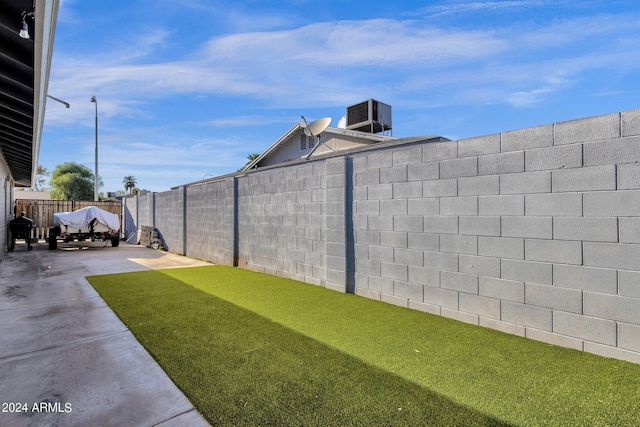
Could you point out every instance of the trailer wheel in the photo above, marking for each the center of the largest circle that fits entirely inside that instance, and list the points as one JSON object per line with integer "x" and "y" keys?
{"x": 115, "y": 241}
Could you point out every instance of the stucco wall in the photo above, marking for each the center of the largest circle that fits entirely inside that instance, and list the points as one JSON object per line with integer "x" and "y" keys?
{"x": 288, "y": 151}
{"x": 534, "y": 232}
{"x": 6, "y": 206}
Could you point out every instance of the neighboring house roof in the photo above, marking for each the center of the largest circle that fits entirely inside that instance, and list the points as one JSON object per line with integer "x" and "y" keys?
{"x": 389, "y": 143}
{"x": 24, "y": 77}
{"x": 289, "y": 146}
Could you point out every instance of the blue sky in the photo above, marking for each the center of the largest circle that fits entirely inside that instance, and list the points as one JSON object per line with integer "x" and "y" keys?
{"x": 188, "y": 88}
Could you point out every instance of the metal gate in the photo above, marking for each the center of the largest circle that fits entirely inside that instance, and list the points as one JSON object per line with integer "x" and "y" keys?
{"x": 41, "y": 211}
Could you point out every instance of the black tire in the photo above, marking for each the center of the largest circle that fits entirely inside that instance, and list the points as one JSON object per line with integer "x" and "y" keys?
{"x": 115, "y": 241}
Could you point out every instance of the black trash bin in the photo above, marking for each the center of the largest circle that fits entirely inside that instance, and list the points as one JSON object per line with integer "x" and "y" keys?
{"x": 20, "y": 228}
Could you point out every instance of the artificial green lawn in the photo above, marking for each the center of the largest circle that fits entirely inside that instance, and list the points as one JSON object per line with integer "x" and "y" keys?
{"x": 253, "y": 349}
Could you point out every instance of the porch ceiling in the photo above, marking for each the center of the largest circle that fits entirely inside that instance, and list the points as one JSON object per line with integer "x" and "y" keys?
{"x": 24, "y": 73}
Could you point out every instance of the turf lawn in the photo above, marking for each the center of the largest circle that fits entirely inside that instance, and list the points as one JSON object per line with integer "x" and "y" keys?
{"x": 252, "y": 349}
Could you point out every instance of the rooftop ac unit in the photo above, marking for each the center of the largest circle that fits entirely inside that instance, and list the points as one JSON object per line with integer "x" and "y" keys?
{"x": 369, "y": 116}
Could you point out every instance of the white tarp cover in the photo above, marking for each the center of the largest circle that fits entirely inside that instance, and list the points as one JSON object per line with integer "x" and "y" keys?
{"x": 84, "y": 216}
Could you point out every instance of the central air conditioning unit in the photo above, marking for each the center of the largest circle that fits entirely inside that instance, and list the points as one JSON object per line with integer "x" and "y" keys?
{"x": 369, "y": 116}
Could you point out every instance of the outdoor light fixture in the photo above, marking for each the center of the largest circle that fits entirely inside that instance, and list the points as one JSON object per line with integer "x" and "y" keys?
{"x": 66, "y": 104}
{"x": 24, "y": 31}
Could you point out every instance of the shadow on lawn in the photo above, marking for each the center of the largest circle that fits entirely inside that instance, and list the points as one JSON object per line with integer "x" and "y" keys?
{"x": 239, "y": 368}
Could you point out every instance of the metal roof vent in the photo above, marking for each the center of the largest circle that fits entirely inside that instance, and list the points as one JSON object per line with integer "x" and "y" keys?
{"x": 369, "y": 116}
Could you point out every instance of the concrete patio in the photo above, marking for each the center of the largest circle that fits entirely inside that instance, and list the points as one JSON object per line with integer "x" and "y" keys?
{"x": 65, "y": 358}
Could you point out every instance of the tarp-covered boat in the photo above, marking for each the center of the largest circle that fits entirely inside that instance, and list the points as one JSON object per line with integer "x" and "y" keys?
{"x": 86, "y": 223}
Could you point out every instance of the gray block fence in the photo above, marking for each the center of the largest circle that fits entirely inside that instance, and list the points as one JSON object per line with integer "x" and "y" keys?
{"x": 534, "y": 232}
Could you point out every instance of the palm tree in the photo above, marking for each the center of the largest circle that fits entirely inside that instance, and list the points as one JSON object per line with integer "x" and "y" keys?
{"x": 252, "y": 157}
{"x": 129, "y": 183}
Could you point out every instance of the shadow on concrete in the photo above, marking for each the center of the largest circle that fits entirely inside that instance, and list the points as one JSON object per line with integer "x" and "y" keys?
{"x": 65, "y": 357}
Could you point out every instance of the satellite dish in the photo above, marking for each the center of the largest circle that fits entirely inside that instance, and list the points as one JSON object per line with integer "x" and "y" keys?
{"x": 342, "y": 123}
{"x": 316, "y": 127}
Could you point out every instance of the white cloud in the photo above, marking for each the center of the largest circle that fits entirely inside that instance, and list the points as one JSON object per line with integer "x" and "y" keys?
{"x": 317, "y": 60}
{"x": 481, "y": 6}
{"x": 336, "y": 62}
{"x": 377, "y": 43}
{"x": 212, "y": 98}
{"x": 523, "y": 99}
{"x": 159, "y": 161}
{"x": 246, "y": 121}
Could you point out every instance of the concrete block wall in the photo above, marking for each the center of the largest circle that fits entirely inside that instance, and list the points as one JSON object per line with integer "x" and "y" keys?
{"x": 533, "y": 232}
{"x": 338, "y": 234}
{"x": 146, "y": 209}
{"x": 170, "y": 219}
{"x": 282, "y": 224}
{"x": 210, "y": 221}
{"x": 130, "y": 219}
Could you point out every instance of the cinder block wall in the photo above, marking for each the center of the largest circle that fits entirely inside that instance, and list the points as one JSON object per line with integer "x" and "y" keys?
{"x": 282, "y": 222}
{"x": 145, "y": 210}
{"x": 169, "y": 219}
{"x": 130, "y": 215}
{"x": 534, "y": 232}
{"x": 210, "y": 221}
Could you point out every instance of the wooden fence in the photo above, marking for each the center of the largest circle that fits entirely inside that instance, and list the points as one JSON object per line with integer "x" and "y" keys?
{"x": 41, "y": 211}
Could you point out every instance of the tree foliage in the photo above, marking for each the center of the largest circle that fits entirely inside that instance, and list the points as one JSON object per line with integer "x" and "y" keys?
{"x": 72, "y": 181}
{"x": 42, "y": 174}
{"x": 251, "y": 157}
{"x": 129, "y": 183}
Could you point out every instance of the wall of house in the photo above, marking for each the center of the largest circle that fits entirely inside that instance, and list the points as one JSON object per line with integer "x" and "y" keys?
{"x": 334, "y": 143}
{"x": 292, "y": 151}
{"x": 533, "y": 232}
{"x": 288, "y": 151}
{"x": 6, "y": 205}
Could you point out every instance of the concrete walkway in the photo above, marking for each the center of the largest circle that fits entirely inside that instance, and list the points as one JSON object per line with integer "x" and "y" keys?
{"x": 65, "y": 358}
